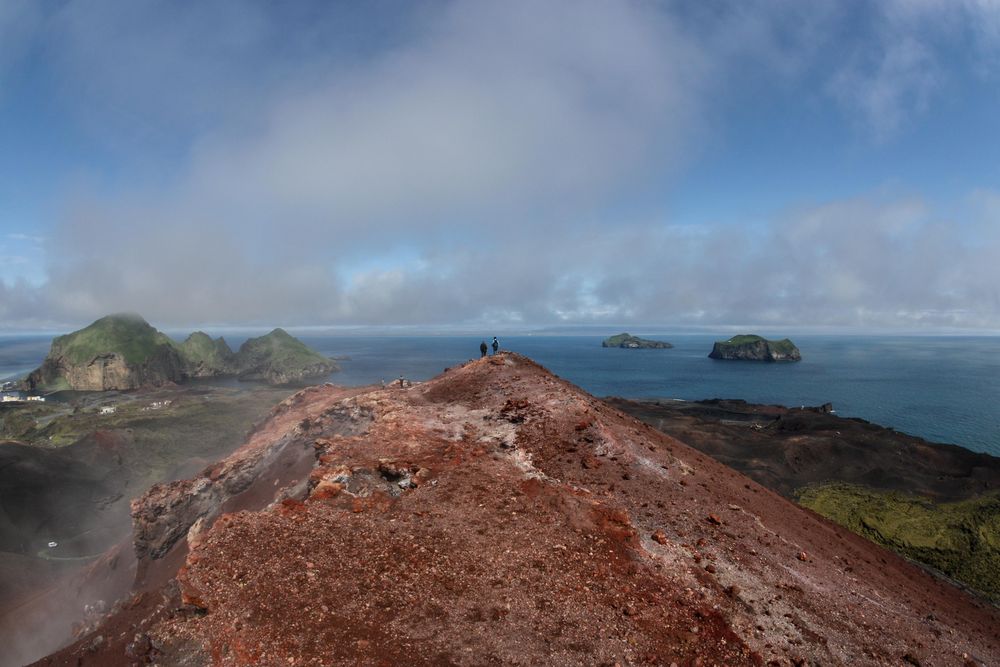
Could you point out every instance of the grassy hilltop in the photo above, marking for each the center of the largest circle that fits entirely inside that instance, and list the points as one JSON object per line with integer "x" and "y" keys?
{"x": 785, "y": 346}
{"x": 204, "y": 354}
{"x": 126, "y": 334}
{"x": 278, "y": 356}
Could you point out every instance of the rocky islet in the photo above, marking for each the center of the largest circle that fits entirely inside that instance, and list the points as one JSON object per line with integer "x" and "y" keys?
{"x": 630, "y": 342}
{"x": 750, "y": 347}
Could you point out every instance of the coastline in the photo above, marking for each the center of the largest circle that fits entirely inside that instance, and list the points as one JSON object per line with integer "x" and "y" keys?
{"x": 929, "y": 502}
{"x": 928, "y": 386}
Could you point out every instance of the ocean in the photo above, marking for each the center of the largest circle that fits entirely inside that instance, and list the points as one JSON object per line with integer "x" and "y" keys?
{"x": 942, "y": 388}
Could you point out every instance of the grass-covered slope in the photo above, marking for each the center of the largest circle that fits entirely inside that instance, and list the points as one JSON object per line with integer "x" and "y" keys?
{"x": 961, "y": 539}
{"x": 743, "y": 339}
{"x": 126, "y": 334}
{"x": 116, "y": 352}
{"x": 784, "y": 345}
{"x": 279, "y": 357}
{"x": 205, "y": 356}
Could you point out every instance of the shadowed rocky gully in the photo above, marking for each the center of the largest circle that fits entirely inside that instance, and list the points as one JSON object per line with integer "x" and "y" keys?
{"x": 499, "y": 515}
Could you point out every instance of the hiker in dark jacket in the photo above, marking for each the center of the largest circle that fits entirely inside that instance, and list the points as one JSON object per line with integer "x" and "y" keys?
{"x": 482, "y": 349}
{"x": 496, "y": 345}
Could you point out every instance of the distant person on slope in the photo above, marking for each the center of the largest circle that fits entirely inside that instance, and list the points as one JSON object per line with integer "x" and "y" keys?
{"x": 482, "y": 349}
{"x": 496, "y": 345}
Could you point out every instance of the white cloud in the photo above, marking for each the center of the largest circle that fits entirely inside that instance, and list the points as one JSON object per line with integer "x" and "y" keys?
{"x": 890, "y": 91}
{"x": 875, "y": 261}
{"x": 477, "y": 156}
{"x": 498, "y": 111}
{"x": 489, "y": 122}
{"x": 889, "y": 80}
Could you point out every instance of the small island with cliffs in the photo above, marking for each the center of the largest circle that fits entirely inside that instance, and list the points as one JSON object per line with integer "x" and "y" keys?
{"x": 630, "y": 342}
{"x": 750, "y": 347}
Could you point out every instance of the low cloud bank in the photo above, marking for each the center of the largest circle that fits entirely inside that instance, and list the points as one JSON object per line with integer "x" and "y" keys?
{"x": 874, "y": 261}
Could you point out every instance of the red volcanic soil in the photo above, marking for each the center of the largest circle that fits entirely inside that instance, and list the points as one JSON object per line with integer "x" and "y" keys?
{"x": 499, "y": 515}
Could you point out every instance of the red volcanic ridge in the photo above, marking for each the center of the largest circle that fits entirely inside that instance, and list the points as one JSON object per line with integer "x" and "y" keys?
{"x": 500, "y": 515}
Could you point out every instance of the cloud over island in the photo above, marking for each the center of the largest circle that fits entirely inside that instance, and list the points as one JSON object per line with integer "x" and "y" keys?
{"x": 462, "y": 162}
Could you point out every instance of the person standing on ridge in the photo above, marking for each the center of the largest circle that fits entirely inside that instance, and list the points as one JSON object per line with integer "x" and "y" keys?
{"x": 482, "y": 349}
{"x": 496, "y": 345}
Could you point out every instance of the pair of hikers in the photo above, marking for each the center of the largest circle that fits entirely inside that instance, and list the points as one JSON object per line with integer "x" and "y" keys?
{"x": 483, "y": 348}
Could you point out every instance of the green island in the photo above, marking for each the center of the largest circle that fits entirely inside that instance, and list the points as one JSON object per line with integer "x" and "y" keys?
{"x": 628, "y": 341}
{"x": 961, "y": 539}
{"x": 279, "y": 358}
{"x": 123, "y": 351}
{"x": 205, "y": 355}
{"x": 128, "y": 335}
{"x": 750, "y": 347}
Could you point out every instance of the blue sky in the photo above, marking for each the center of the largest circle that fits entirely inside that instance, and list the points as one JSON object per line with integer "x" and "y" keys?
{"x": 767, "y": 164}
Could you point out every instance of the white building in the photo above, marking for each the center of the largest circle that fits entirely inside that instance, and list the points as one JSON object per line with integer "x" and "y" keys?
{"x": 108, "y": 409}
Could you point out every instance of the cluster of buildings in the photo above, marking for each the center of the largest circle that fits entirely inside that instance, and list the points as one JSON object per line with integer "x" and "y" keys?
{"x": 20, "y": 397}
{"x": 14, "y": 397}
{"x": 155, "y": 405}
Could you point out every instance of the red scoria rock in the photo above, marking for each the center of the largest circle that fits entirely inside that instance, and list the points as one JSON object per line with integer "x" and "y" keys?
{"x": 519, "y": 544}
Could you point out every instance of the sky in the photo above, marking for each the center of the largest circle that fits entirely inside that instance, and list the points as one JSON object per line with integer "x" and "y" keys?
{"x": 771, "y": 164}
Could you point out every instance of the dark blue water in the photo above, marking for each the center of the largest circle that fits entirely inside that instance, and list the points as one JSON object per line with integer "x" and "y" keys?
{"x": 945, "y": 389}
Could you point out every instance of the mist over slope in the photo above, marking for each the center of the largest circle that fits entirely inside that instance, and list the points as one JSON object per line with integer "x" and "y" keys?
{"x": 65, "y": 486}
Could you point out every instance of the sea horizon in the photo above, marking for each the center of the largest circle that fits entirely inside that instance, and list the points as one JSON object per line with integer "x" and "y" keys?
{"x": 917, "y": 384}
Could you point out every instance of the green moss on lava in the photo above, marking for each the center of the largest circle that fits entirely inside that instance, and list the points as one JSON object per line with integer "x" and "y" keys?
{"x": 960, "y": 539}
